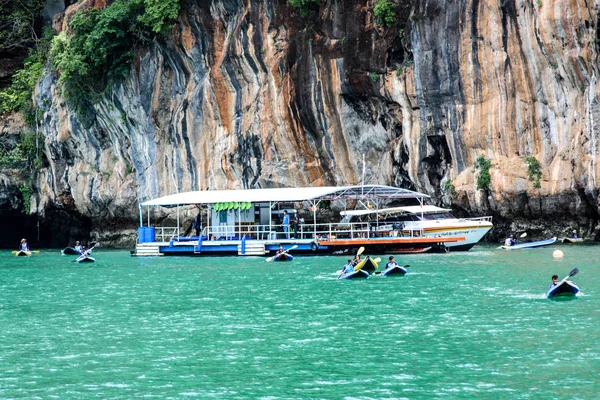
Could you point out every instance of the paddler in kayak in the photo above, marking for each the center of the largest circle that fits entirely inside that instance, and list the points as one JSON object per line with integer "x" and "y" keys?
{"x": 24, "y": 246}
{"x": 554, "y": 281}
{"x": 278, "y": 252}
{"x": 348, "y": 267}
{"x": 356, "y": 260}
{"x": 392, "y": 263}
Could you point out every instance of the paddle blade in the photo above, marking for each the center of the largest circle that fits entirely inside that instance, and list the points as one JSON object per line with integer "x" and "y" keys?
{"x": 270, "y": 259}
{"x": 523, "y": 234}
{"x": 574, "y": 272}
{"x": 378, "y": 259}
{"x": 360, "y": 251}
{"x": 14, "y": 251}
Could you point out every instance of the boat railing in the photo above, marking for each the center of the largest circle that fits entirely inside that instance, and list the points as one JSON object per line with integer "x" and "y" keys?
{"x": 308, "y": 231}
{"x": 475, "y": 219}
{"x": 165, "y": 233}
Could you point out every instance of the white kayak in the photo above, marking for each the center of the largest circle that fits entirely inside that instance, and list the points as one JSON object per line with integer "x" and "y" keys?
{"x": 530, "y": 244}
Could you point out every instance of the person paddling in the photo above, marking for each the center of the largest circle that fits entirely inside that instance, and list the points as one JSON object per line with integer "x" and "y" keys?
{"x": 24, "y": 246}
{"x": 279, "y": 251}
{"x": 349, "y": 267}
{"x": 554, "y": 281}
{"x": 78, "y": 247}
{"x": 392, "y": 263}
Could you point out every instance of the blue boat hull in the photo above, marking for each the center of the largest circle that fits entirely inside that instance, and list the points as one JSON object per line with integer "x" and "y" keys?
{"x": 397, "y": 270}
{"x": 70, "y": 252}
{"x": 283, "y": 257}
{"x": 565, "y": 289}
{"x": 360, "y": 274}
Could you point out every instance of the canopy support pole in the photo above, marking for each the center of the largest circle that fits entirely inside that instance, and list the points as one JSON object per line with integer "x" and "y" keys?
{"x": 141, "y": 216}
{"x": 177, "y": 221}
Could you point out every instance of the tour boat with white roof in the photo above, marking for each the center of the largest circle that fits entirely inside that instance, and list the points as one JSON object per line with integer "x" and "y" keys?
{"x": 253, "y": 222}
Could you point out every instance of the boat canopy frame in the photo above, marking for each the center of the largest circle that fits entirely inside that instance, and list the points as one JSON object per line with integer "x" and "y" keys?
{"x": 313, "y": 195}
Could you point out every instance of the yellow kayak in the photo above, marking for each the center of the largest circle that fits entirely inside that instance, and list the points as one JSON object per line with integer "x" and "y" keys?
{"x": 367, "y": 264}
{"x": 23, "y": 253}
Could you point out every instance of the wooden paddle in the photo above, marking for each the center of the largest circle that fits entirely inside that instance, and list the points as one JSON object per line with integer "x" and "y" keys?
{"x": 283, "y": 252}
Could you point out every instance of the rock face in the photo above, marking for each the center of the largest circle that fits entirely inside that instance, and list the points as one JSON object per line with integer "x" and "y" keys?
{"x": 247, "y": 94}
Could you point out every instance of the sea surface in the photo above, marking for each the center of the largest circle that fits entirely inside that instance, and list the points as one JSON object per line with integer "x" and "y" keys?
{"x": 460, "y": 325}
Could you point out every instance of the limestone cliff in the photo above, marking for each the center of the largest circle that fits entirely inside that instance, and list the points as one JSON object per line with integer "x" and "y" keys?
{"x": 250, "y": 94}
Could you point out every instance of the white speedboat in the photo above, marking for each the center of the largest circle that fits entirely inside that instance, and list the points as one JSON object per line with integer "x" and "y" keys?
{"x": 428, "y": 221}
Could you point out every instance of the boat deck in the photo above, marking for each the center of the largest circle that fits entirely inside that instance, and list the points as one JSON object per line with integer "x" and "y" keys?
{"x": 252, "y": 247}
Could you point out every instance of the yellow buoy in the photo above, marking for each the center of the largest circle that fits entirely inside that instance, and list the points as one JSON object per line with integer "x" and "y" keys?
{"x": 557, "y": 254}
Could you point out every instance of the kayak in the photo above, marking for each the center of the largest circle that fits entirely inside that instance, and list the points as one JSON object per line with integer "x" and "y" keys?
{"x": 69, "y": 251}
{"x": 530, "y": 244}
{"x": 283, "y": 257}
{"x": 396, "y": 270}
{"x": 23, "y": 253}
{"x": 83, "y": 259}
{"x": 563, "y": 289}
{"x": 366, "y": 264}
{"x": 355, "y": 275}
{"x": 572, "y": 240}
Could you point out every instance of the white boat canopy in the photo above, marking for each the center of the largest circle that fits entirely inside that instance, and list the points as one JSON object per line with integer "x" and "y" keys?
{"x": 425, "y": 209}
{"x": 366, "y": 192}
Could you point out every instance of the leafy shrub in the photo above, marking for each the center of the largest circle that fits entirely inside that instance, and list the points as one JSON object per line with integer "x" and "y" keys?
{"x": 374, "y": 76}
{"x": 26, "y": 193}
{"x": 99, "y": 51}
{"x": 384, "y": 13}
{"x": 27, "y": 155}
{"x": 303, "y": 6}
{"x": 19, "y": 95}
{"x": 449, "y": 188}
{"x": 483, "y": 177}
{"x": 534, "y": 171}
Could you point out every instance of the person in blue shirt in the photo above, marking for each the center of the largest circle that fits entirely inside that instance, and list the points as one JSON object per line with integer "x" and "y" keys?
{"x": 348, "y": 267}
{"x": 286, "y": 224}
{"x": 78, "y": 247}
{"x": 554, "y": 281}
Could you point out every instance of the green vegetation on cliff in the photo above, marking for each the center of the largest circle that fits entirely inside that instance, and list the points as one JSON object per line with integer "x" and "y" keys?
{"x": 98, "y": 50}
{"x": 27, "y": 155}
{"x": 20, "y": 23}
{"x": 534, "y": 171}
{"x": 304, "y": 6}
{"x": 483, "y": 176}
{"x": 384, "y": 12}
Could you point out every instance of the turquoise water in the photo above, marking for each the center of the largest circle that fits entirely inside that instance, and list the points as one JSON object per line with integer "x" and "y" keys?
{"x": 458, "y": 325}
